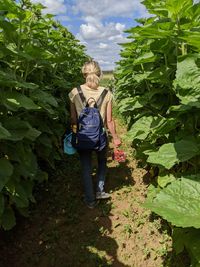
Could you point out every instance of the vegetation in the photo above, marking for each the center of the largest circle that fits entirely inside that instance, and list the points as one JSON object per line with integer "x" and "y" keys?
{"x": 158, "y": 89}
{"x": 40, "y": 62}
{"x": 107, "y": 79}
{"x": 158, "y": 92}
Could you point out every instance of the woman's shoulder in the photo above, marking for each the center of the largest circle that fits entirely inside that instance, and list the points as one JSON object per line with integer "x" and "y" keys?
{"x": 109, "y": 94}
{"x": 102, "y": 88}
{"x": 73, "y": 91}
{"x": 72, "y": 94}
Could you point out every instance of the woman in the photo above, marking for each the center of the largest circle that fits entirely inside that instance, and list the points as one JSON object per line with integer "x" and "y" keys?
{"x": 91, "y": 90}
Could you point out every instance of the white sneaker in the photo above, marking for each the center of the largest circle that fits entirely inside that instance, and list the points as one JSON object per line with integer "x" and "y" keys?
{"x": 102, "y": 195}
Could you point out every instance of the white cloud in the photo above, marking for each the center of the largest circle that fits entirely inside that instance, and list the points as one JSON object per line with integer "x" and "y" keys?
{"x": 118, "y": 38}
{"x": 120, "y": 27}
{"x": 103, "y": 45}
{"x": 104, "y": 62}
{"x": 53, "y": 6}
{"x": 107, "y": 8}
{"x": 97, "y": 30}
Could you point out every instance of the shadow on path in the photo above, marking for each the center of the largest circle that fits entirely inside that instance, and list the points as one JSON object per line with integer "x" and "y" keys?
{"x": 61, "y": 231}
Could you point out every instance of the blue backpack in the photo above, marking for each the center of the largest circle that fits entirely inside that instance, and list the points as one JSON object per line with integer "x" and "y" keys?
{"x": 91, "y": 133}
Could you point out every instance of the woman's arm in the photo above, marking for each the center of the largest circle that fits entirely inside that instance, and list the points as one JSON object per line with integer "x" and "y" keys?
{"x": 111, "y": 125}
{"x": 73, "y": 114}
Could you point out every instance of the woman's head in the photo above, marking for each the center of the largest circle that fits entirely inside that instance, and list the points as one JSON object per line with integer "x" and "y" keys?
{"x": 92, "y": 73}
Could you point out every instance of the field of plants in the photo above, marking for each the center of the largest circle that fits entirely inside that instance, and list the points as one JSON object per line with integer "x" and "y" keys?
{"x": 158, "y": 91}
{"x": 40, "y": 61}
{"x": 157, "y": 87}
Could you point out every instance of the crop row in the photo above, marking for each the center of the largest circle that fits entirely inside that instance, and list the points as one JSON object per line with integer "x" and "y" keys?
{"x": 40, "y": 61}
{"x": 158, "y": 91}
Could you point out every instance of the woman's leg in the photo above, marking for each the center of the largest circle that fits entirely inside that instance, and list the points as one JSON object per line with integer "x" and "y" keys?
{"x": 101, "y": 175}
{"x": 86, "y": 164}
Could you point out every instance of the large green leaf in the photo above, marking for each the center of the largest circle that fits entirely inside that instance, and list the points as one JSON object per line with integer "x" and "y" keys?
{"x": 17, "y": 100}
{"x": 21, "y": 193}
{"x": 170, "y": 154}
{"x": 141, "y": 128}
{"x": 145, "y": 58}
{"x": 129, "y": 104}
{"x": 179, "y": 202}
{"x": 28, "y": 166}
{"x": 187, "y": 81}
{"x": 41, "y": 96}
{"x": 20, "y": 129}
{"x": 6, "y": 170}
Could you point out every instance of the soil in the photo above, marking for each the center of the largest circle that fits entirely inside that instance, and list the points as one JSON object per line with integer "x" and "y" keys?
{"x": 62, "y": 232}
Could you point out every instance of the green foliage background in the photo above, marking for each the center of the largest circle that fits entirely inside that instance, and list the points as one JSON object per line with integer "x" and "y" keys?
{"x": 158, "y": 91}
{"x": 40, "y": 61}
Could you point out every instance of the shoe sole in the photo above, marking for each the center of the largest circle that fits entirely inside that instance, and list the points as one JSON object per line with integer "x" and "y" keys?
{"x": 103, "y": 197}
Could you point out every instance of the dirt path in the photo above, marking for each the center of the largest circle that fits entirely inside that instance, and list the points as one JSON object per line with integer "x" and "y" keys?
{"x": 62, "y": 232}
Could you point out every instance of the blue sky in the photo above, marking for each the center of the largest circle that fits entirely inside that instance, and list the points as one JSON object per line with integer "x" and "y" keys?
{"x": 98, "y": 24}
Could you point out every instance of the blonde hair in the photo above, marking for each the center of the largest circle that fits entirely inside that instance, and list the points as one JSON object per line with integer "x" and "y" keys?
{"x": 92, "y": 73}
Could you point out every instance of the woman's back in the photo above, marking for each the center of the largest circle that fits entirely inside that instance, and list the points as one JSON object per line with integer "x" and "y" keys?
{"x": 90, "y": 93}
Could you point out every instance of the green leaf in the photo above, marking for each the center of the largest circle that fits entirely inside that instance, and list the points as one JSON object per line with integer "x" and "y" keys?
{"x": 20, "y": 196}
{"x": 170, "y": 154}
{"x": 129, "y": 104}
{"x": 179, "y": 202}
{"x": 41, "y": 96}
{"x": 28, "y": 163}
{"x": 8, "y": 220}
{"x": 4, "y": 134}
{"x": 187, "y": 83}
{"x": 145, "y": 58}
{"x": 20, "y": 129}
{"x": 140, "y": 129}
{"x": 165, "y": 180}
{"x": 32, "y": 134}
{"x": 17, "y": 100}
{"x": 17, "y": 128}
{"x": 6, "y": 170}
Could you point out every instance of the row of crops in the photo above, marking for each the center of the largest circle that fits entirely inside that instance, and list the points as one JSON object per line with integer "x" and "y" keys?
{"x": 40, "y": 61}
{"x": 158, "y": 91}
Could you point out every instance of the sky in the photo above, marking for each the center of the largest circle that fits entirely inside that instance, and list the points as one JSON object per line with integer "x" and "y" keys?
{"x": 98, "y": 24}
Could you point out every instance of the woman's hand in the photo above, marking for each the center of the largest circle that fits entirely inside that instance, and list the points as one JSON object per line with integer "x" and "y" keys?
{"x": 116, "y": 141}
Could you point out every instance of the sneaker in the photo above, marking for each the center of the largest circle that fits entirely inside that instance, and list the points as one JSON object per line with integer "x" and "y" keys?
{"x": 91, "y": 205}
{"x": 102, "y": 195}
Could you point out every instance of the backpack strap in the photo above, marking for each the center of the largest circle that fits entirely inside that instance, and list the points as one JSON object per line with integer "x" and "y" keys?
{"x": 101, "y": 98}
{"x": 82, "y": 97}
